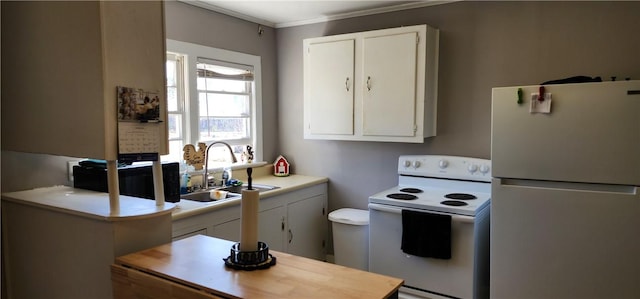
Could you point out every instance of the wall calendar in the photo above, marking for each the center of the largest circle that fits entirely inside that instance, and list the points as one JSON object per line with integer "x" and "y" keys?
{"x": 138, "y": 124}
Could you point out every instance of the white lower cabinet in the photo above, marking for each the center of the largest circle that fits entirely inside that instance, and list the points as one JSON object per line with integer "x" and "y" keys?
{"x": 298, "y": 226}
{"x": 206, "y": 224}
{"x": 294, "y": 222}
{"x": 272, "y": 225}
{"x": 202, "y": 231}
{"x": 307, "y": 227}
{"x": 229, "y": 230}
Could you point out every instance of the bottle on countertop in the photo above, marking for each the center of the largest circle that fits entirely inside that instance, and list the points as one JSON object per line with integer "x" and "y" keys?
{"x": 185, "y": 183}
{"x": 226, "y": 176}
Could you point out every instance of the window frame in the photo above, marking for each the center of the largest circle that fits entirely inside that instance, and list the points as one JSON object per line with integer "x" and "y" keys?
{"x": 191, "y": 53}
{"x": 181, "y": 109}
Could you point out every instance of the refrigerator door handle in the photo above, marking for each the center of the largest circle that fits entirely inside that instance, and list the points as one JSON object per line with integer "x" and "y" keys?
{"x": 606, "y": 188}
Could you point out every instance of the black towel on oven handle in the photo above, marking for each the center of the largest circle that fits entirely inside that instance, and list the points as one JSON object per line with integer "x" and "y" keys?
{"x": 426, "y": 234}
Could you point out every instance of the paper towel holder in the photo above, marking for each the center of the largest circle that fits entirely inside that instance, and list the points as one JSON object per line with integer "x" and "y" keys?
{"x": 250, "y": 260}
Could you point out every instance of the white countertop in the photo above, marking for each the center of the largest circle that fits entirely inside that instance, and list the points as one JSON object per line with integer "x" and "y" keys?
{"x": 186, "y": 208}
{"x": 95, "y": 205}
{"x": 88, "y": 203}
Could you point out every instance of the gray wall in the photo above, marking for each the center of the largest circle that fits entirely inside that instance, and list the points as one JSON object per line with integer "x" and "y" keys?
{"x": 196, "y": 25}
{"x": 186, "y": 23}
{"x": 482, "y": 45}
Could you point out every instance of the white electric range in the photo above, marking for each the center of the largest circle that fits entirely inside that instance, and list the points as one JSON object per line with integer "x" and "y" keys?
{"x": 432, "y": 229}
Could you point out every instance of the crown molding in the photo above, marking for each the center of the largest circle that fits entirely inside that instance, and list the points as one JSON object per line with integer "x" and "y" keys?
{"x": 360, "y": 13}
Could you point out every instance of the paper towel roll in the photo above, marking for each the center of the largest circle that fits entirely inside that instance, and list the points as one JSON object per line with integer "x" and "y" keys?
{"x": 249, "y": 220}
{"x": 158, "y": 183}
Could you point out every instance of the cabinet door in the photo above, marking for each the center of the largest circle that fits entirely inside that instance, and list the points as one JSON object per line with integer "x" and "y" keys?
{"x": 193, "y": 233}
{"x": 328, "y": 77}
{"x": 389, "y": 85}
{"x": 229, "y": 230}
{"x": 307, "y": 227}
{"x": 271, "y": 228}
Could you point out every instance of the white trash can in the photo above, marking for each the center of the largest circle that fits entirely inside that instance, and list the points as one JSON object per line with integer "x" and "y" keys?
{"x": 351, "y": 237}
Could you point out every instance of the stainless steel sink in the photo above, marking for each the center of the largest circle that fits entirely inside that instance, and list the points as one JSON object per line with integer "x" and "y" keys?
{"x": 203, "y": 196}
{"x": 259, "y": 187}
{"x": 233, "y": 192}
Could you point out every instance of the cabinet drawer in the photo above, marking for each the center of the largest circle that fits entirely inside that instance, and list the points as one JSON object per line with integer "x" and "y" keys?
{"x": 131, "y": 283}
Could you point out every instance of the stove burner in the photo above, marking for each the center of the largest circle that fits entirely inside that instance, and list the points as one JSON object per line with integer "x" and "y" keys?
{"x": 411, "y": 190}
{"x": 454, "y": 203}
{"x": 460, "y": 196}
{"x": 402, "y": 196}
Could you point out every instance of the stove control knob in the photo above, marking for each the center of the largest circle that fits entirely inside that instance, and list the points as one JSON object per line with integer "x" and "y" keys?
{"x": 484, "y": 169}
{"x": 472, "y": 168}
{"x": 443, "y": 164}
{"x": 416, "y": 164}
{"x": 407, "y": 163}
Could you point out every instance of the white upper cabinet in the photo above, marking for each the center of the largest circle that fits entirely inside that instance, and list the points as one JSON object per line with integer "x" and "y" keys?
{"x": 372, "y": 86}
{"x": 330, "y": 96}
{"x": 389, "y": 65}
{"x": 62, "y": 68}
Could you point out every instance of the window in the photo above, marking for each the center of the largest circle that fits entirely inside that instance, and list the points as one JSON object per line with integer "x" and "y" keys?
{"x": 175, "y": 106}
{"x": 213, "y": 95}
{"x": 224, "y": 100}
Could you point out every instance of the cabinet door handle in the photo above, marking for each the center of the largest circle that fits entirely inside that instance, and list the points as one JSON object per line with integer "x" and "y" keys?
{"x": 290, "y": 236}
{"x": 282, "y": 224}
{"x": 369, "y": 83}
{"x": 346, "y": 83}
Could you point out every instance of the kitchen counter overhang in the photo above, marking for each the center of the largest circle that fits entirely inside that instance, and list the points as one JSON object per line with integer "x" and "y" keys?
{"x": 194, "y": 267}
{"x": 88, "y": 204}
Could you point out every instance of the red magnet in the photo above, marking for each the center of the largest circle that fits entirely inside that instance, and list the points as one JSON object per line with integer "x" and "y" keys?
{"x": 541, "y": 94}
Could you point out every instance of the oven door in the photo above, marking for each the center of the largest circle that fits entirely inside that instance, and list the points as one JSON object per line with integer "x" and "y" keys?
{"x": 465, "y": 275}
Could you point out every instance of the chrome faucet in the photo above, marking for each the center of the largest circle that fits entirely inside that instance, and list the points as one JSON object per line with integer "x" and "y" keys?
{"x": 205, "y": 175}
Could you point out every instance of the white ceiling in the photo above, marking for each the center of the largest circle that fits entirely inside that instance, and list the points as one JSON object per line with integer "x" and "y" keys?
{"x": 289, "y": 13}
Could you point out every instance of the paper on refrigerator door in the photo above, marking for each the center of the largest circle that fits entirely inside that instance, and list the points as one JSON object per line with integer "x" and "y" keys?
{"x": 538, "y": 106}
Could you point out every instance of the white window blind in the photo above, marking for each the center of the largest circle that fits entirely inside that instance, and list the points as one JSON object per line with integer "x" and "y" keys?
{"x": 215, "y": 69}
{"x": 224, "y": 100}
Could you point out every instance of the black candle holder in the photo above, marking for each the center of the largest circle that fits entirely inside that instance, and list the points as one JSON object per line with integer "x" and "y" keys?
{"x": 250, "y": 260}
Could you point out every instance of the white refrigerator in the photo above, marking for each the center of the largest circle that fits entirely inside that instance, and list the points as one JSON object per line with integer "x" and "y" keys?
{"x": 565, "y": 202}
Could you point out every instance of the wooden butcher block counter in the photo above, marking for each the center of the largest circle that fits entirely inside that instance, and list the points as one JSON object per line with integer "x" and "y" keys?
{"x": 194, "y": 268}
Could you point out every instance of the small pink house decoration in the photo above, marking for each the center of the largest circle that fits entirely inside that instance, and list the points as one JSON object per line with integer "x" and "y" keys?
{"x": 281, "y": 166}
